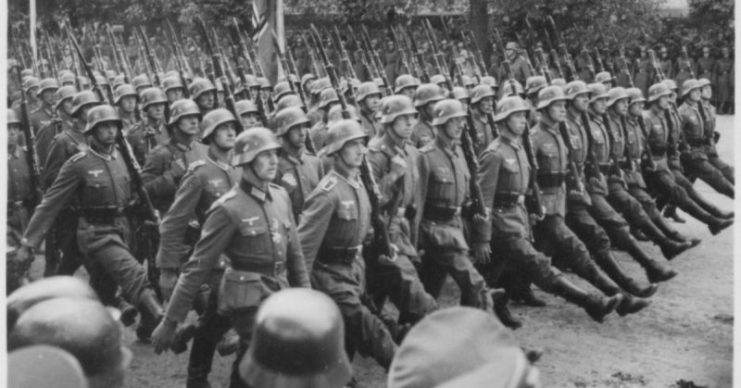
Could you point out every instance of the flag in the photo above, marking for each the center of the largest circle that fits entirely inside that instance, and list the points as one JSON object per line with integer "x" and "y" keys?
{"x": 269, "y": 28}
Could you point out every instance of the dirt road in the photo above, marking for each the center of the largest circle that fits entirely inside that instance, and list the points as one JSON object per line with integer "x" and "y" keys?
{"x": 686, "y": 334}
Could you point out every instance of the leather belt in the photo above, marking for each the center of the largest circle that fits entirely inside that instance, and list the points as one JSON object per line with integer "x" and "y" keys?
{"x": 698, "y": 142}
{"x": 441, "y": 213}
{"x": 549, "y": 179}
{"x": 338, "y": 255}
{"x": 502, "y": 200}
{"x": 102, "y": 215}
{"x": 273, "y": 268}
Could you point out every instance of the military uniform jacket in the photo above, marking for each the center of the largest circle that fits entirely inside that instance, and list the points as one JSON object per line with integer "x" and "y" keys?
{"x": 484, "y": 132}
{"x": 205, "y": 182}
{"x": 255, "y": 230}
{"x": 19, "y": 191}
{"x": 552, "y": 156}
{"x": 144, "y": 137}
{"x": 64, "y": 146}
{"x": 677, "y": 138}
{"x": 96, "y": 182}
{"x": 371, "y": 127}
{"x": 128, "y": 121}
{"x": 46, "y": 136}
{"x": 398, "y": 194}
{"x": 336, "y": 216}
{"x": 634, "y": 146}
{"x": 158, "y": 181}
{"x": 41, "y": 117}
{"x": 580, "y": 146}
{"x": 444, "y": 184}
{"x": 600, "y": 148}
{"x": 504, "y": 172}
{"x": 423, "y": 133}
{"x": 299, "y": 175}
{"x": 658, "y": 138}
{"x": 693, "y": 128}
{"x": 709, "y": 125}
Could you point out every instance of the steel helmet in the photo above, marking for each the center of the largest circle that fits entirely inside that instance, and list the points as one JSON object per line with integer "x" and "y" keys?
{"x": 616, "y": 94}
{"x": 172, "y": 73}
{"x": 13, "y": 117}
{"x": 405, "y": 81}
{"x": 170, "y": 83}
{"x": 200, "y": 86}
{"x": 342, "y": 132}
{"x": 395, "y": 106}
{"x": 181, "y": 108}
{"x": 509, "y": 105}
{"x": 690, "y": 85}
{"x": 437, "y": 79}
{"x": 84, "y": 98}
{"x": 597, "y": 90}
{"x": 100, "y": 79}
{"x": 29, "y": 83}
{"x": 281, "y": 89}
{"x": 603, "y": 76}
{"x": 670, "y": 84}
{"x": 212, "y": 120}
{"x": 506, "y": 87}
{"x": 379, "y": 82}
{"x": 327, "y": 97}
{"x": 110, "y": 74}
{"x": 289, "y": 117}
{"x": 44, "y": 366}
{"x": 550, "y": 94}
{"x": 298, "y": 342}
{"x": 704, "y": 82}
{"x": 151, "y": 96}
{"x": 535, "y": 83}
{"x": 657, "y": 91}
{"x": 84, "y": 82}
{"x": 252, "y": 142}
{"x": 305, "y": 79}
{"x": 460, "y": 93}
{"x": 47, "y": 288}
{"x": 141, "y": 81}
{"x": 64, "y": 93}
{"x": 46, "y": 84}
{"x": 446, "y": 110}
{"x": 367, "y": 89}
{"x": 82, "y": 327}
{"x": 26, "y": 73}
{"x": 489, "y": 80}
{"x": 67, "y": 78}
{"x": 427, "y": 93}
{"x": 480, "y": 92}
{"x": 575, "y": 88}
{"x": 635, "y": 95}
{"x": 336, "y": 113}
{"x": 102, "y": 114}
{"x": 467, "y": 81}
{"x": 320, "y": 84}
{"x": 288, "y": 101}
{"x": 125, "y": 90}
{"x": 558, "y": 82}
{"x": 117, "y": 81}
{"x": 243, "y": 107}
{"x": 251, "y": 81}
{"x": 264, "y": 83}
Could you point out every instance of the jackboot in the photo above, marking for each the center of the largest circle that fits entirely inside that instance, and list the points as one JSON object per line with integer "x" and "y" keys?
{"x": 596, "y": 306}
{"x": 718, "y": 227}
{"x": 715, "y": 224}
{"x": 709, "y": 206}
{"x": 671, "y": 212}
{"x": 151, "y": 312}
{"x": 523, "y": 293}
{"x": 613, "y": 269}
{"x": 656, "y": 271}
{"x": 128, "y": 312}
{"x": 669, "y": 247}
{"x": 505, "y": 316}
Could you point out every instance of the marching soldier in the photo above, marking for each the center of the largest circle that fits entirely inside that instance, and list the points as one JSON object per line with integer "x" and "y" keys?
{"x": 407, "y": 85}
{"x": 369, "y": 98}
{"x": 298, "y": 171}
{"x": 519, "y": 67}
{"x": 126, "y": 101}
{"x": 425, "y": 98}
{"x": 394, "y": 163}
{"x": 482, "y": 105}
{"x": 203, "y": 92}
{"x": 318, "y": 132}
{"x": 248, "y": 114}
{"x": 152, "y": 131}
{"x": 174, "y": 88}
{"x": 710, "y": 134}
{"x": 205, "y": 181}
{"x": 62, "y": 121}
{"x": 167, "y": 163}
{"x": 253, "y": 226}
{"x": 503, "y": 177}
{"x": 99, "y": 183}
{"x": 45, "y": 113}
{"x": 334, "y": 225}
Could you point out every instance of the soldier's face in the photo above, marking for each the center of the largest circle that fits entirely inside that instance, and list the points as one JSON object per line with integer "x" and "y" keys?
{"x": 557, "y": 111}
{"x": 409, "y": 92}
{"x": 664, "y": 102}
{"x": 707, "y": 92}
{"x": 486, "y": 105}
{"x": 48, "y": 97}
{"x": 454, "y": 127}
{"x": 371, "y": 103}
{"x": 67, "y": 106}
{"x": 174, "y": 94}
{"x": 600, "y": 105}
{"x": 156, "y": 111}
{"x": 188, "y": 125}
{"x": 82, "y": 112}
{"x": 516, "y": 123}
{"x": 224, "y": 137}
{"x": 250, "y": 120}
{"x": 128, "y": 104}
{"x": 296, "y": 136}
{"x": 621, "y": 106}
{"x": 636, "y": 109}
{"x": 265, "y": 165}
{"x": 404, "y": 125}
{"x": 14, "y": 133}
{"x": 581, "y": 102}
{"x": 206, "y": 100}
{"x": 105, "y": 133}
{"x": 352, "y": 153}
{"x": 695, "y": 94}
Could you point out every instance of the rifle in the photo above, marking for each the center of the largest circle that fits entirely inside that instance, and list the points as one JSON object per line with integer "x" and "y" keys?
{"x": 615, "y": 162}
{"x": 118, "y": 45}
{"x": 88, "y": 71}
{"x": 343, "y": 53}
{"x": 624, "y": 66}
{"x": 424, "y": 75}
{"x": 403, "y": 55}
{"x": 32, "y": 158}
{"x": 480, "y": 66}
{"x": 438, "y": 57}
{"x": 382, "y": 241}
{"x": 180, "y": 61}
{"x": 246, "y": 55}
{"x": 312, "y": 56}
{"x": 470, "y": 154}
{"x": 150, "y": 57}
{"x": 376, "y": 60}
